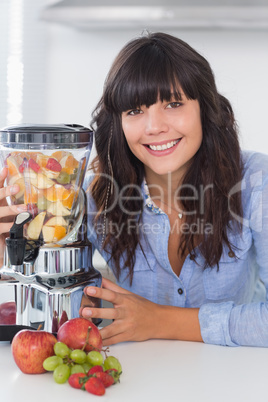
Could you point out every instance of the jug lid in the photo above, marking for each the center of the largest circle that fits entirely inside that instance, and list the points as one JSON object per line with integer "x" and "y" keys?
{"x": 46, "y": 134}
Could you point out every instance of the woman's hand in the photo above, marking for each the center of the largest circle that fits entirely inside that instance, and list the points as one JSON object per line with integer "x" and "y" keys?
{"x": 138, "y": 319}
{"x": 135, "y": 318}
{"x": 7, "y": 212}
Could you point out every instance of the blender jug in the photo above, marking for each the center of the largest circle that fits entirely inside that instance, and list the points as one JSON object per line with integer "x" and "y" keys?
{"x": 48, "y": 260}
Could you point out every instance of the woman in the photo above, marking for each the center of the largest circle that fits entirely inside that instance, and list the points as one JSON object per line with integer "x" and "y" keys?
{"x": 175, "y": 207}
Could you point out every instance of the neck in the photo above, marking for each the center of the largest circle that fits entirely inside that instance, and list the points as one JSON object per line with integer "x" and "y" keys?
{"x": 164, "y": 189}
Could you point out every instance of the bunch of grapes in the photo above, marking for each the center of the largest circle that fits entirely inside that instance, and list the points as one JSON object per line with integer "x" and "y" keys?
{"x": 88, "y": 371}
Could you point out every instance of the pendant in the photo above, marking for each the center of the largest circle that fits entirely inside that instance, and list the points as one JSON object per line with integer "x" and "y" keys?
{"x": 180, "y": 215}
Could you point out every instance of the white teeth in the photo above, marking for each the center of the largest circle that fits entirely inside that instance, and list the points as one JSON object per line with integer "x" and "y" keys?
{"x": 164, "y": 146}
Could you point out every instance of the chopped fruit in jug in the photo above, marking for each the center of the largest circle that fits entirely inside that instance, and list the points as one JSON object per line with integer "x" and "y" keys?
{"x": 69, "y": 164}
{"x": 33, "y": 165}
{"x": 13, "y": 166}
{"x": 53, "y": 233}
{"x": 64, "y": 178}
{"x": 35, "y": 226}
{"x": 47, "y": 186}
{"x": 53, "y": 164}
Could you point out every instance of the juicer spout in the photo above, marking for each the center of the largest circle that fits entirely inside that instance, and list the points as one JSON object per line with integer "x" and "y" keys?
{"x": 16, "y": 243}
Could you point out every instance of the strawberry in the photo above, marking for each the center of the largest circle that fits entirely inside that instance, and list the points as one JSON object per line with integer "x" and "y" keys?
{"x": 53, "y": 164}
{"x": 95, "y": 386}
{"x": 95, "y": 369}
{"x": 113, "y": 373}
{"x": 77, "y": 380}
{"x": 105, "y": 378}
{"x": 22, "y": 165}
{"x": 33, "y": 165}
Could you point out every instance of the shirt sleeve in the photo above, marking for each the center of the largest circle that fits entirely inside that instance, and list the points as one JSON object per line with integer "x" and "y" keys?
{"x": 246, "y": 324}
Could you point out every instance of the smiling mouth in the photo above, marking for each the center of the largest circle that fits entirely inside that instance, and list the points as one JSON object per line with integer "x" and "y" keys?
{"x": 164, "y": 147}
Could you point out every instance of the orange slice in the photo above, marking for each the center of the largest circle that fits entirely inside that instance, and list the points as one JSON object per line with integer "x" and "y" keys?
{"x": 42, "y": 159}
{"x": 13, "y": 166}
{"x": 53, "y": 233}
{"x": 69, "y": 164}
{"x": 59, "y": 155}
{"x": 57, "y": 193}
{"x": 68, "y": 202}
{"x": 60, "y": 232}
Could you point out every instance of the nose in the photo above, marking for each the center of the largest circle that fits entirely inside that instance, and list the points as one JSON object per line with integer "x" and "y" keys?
{"x": 155, "y": 120}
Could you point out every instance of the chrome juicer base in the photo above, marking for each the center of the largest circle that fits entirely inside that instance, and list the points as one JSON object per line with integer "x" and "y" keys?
{"x": 49, "y": 296}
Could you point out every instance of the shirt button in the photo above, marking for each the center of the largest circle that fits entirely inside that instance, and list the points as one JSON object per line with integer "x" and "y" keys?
{"x": 180, "y": 291}
{"x": 231, "y": 254}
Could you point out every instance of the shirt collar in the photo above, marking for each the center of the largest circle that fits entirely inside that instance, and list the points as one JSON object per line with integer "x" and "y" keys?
{"x": 148, "y": 200}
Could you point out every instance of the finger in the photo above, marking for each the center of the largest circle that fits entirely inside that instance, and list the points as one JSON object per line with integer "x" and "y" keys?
{"x": 12, "y": 210}
{"x": 113, "y": 340}
{"x": 104, "y": 294}
{"x": 5, "y": 227}
{"x": 3, "y": 175}
{"x": 107, "y": 284}
{"x": 9, "y": 190}
{"x": 109, "y": 337}
{"x": 103, "y": 313}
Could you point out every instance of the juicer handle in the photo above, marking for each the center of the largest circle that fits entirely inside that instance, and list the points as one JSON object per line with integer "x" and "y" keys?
{"x": 16, "y": 243}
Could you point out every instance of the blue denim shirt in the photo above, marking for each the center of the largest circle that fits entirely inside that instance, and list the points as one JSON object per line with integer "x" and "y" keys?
{"x": 232, "y": 300}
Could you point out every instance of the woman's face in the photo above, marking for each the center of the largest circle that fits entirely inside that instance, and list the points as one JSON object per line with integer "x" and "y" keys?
{"x": 164, "y": 136}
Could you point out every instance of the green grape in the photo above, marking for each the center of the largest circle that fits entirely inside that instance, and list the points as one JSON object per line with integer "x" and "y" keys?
{"x": 61, "y": 350}
{"x": 112, "y": 362}
{"x": 50, "y": 363}
{"x": 78, "y": 368}
{"x": 61, "y": 373}
{"x": 42, "y": 203}
{"x": 95, "y": 358}
{"x": 78, "y": 356}
{"x": 87, "y": 367}
{"x": 63, "y": 178}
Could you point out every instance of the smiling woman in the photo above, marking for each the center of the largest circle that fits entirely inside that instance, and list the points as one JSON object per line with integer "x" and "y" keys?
{"x": 171, "y": 178}
{"x": 161, "y": 90}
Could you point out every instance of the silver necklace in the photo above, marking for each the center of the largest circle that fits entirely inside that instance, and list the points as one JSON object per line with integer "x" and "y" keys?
{"x": 180, "y": 214}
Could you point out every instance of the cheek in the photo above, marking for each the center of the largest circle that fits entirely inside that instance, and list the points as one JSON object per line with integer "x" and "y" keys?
{"x": 131, "y": 134}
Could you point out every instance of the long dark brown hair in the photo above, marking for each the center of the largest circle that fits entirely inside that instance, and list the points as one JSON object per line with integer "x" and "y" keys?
{"x": 148, "y": 68}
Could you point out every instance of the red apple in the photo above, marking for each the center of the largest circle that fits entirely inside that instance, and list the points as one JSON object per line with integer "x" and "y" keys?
{"x": 30, "y": 348}
{"x": 8, "y": 313}
{"x": 75, "y": 333}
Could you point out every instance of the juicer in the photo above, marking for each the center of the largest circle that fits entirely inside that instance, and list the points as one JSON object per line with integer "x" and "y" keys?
{"x": 47, "y": 258}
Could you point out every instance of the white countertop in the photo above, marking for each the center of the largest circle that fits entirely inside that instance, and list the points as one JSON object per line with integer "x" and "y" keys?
{"x": 156, "y": 370}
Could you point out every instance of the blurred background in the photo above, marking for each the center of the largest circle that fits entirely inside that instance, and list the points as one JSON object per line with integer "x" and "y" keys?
{"x": 54, "y": 55}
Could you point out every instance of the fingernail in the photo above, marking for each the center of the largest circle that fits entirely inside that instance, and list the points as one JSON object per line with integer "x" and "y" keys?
{"x": 91, "y": 291}
{"x": 14, "y": 189}
{"x": 22, "y": 208}
{"x": 87, "y": 312}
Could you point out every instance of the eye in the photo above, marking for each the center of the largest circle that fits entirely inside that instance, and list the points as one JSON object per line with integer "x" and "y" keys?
{"x": 133, "y": 112}
{"x": 173, "y": 105}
